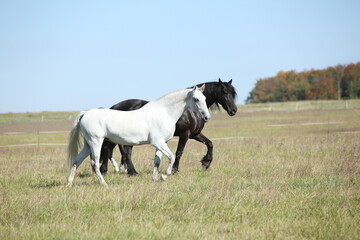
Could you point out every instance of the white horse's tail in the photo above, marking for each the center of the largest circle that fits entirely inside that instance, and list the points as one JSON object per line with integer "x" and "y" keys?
{"x": 74, "y": 140}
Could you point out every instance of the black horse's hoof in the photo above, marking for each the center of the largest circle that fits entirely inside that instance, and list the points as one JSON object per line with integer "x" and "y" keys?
{"x": 205, "y": 164}
{"x": 103, "y": 171}
{"x": 175, "y": 171}
{"x": 131, "y": 173}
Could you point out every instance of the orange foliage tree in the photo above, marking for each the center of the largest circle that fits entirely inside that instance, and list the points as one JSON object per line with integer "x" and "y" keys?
{"x": 309, "y": 85}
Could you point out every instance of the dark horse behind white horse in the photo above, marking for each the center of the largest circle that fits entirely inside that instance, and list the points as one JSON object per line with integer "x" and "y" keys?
{"x": 152, "y": 124}
{"x": 188, "y": 126}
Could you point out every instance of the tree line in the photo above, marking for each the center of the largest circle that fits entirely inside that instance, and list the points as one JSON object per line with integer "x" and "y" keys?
{"x": 339, "y": 82}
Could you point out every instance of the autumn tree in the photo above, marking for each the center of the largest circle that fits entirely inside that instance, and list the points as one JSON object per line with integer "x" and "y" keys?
{"x": 331, "y": 83}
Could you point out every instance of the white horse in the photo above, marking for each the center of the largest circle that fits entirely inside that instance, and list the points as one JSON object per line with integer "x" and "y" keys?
{"x": 152, "y": 124}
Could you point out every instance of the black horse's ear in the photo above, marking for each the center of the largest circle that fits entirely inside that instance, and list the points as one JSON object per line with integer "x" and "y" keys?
{"x": 230, "y": 81}
{"x": 220, "y": 80}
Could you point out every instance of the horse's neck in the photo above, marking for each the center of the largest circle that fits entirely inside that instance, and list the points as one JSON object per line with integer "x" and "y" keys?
{"x": 211, "y": 95}
{"x": 174, "y": 103}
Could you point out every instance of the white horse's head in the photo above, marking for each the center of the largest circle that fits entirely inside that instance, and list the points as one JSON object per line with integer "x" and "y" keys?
{"x": 197, "y": 102}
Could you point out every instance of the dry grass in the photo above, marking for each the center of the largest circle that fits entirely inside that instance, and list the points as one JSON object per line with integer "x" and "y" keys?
{"x": 289, "y": 182}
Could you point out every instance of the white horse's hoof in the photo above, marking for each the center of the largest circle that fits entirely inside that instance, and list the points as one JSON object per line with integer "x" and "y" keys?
{"x": 104, "y": 184}
{"x": 163, "y": 177}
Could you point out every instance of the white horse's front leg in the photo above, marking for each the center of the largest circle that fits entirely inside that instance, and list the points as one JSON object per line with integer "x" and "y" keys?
{"x": 171, "y": 163}
{"x": 168, "y": 171}
{"x": 165, "y": 150}
{"x": 157, "y": 160}
{"x": 96, "y": 148}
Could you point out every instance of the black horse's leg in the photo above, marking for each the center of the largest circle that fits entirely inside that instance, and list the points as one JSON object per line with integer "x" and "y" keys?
{"x": 206, "y": 161}
{"x": 106, "y": 153}
{"x": 126, "y": 159}
{"x": 183, "y": 138}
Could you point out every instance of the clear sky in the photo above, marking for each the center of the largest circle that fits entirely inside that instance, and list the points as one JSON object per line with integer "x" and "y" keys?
{"x": 78, "y": 55}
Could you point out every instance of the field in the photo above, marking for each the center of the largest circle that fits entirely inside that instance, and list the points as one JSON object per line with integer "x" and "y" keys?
{"x": 280, "y": 171}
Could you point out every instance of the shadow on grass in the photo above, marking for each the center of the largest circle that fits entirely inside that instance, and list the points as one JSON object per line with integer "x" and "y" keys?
{"x": 57, "y": 183}
{"x": 48, "y": 184}
{"x": 85, "y": 175}
{"x": 111, "y": 177}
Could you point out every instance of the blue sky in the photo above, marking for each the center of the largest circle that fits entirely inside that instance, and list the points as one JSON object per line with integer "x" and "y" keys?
{"x": 77, "y": 55}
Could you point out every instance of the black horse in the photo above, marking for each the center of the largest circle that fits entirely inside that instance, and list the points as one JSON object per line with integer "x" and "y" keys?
{"x": 188, "y": 126}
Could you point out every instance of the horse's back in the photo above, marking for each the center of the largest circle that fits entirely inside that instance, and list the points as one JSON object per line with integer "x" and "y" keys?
{"x": 93, "y": 121}
{"x": 122, "y": 127}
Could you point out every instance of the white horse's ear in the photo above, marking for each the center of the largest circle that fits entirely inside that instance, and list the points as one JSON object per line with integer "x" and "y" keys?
{"x": 194, "y": 88}
{"x": 202, "y": 88}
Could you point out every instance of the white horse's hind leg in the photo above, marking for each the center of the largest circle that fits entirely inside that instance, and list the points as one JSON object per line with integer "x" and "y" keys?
{"x": 79, "y": 159}
{"x": 113, "y": 162}
{"x": 95, "y": 152}
{"x": 123, "y": 166}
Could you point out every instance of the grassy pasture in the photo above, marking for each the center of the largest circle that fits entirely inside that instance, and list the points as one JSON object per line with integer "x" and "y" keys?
{"x": 282, "y": 174}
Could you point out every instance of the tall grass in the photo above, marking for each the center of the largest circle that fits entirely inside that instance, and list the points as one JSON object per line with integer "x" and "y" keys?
{"x": 292, "y": 181}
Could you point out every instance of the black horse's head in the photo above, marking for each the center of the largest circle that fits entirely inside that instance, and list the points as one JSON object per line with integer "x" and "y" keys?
{"x": 225, "y": 95}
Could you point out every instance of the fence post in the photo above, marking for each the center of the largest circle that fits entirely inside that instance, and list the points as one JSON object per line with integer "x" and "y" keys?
{"x": 38, "y": 138}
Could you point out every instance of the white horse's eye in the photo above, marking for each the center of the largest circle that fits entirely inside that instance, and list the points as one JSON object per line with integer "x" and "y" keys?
{"x": 196, "y": 99}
